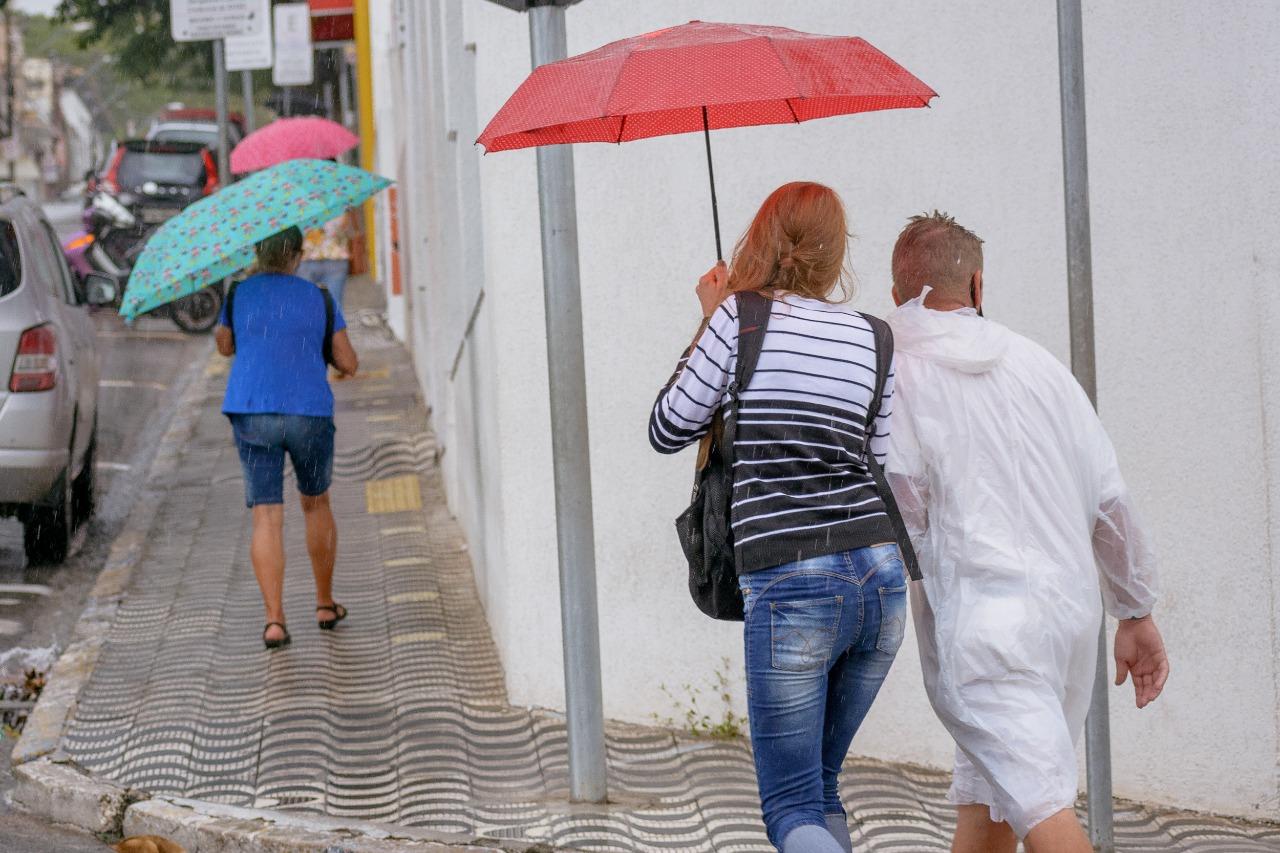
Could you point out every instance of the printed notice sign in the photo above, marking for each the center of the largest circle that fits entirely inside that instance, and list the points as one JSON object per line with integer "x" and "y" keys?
{"x": 247, "y": 53}
{"x": 205, "y": 20}
{"x": 294, "y": 61}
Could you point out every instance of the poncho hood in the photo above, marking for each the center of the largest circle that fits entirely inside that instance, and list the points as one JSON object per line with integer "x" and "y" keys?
{"x": 957, "y": 339}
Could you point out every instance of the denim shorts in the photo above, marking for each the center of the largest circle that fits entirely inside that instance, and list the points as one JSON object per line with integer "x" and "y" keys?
{"x": 263, "y": 441}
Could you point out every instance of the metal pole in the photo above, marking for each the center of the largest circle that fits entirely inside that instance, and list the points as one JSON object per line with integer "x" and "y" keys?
{"x": 368, "y": 130}
{"x": 1075, "y": 172}
{"x": 344, "y": 89}
{"x": 571, "y": 461}
{"x": 246, "y": 88}
{"x": 711, "y": 173}
{"x": 220, "y": 107}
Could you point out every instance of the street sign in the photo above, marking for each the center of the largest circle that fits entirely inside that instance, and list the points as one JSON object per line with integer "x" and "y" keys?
{"x": 294, "y": 61}
{"x": 206, "y": 20}
{"x": 247, "y": 53}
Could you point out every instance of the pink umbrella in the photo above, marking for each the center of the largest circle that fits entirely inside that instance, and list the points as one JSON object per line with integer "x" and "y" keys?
{"x": 305, "y": 137}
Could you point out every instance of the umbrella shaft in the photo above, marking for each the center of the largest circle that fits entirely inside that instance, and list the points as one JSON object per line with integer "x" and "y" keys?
{"x": 711, "y": 173}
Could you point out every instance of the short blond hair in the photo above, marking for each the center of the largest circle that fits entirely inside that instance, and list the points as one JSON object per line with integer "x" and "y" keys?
{"x": 936, "y": 251}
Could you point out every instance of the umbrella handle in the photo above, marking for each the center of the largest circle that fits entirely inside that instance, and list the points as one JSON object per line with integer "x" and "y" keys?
{"x": 711, "y": 173}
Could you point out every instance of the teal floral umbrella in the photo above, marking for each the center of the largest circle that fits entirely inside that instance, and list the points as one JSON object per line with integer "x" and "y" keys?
{"x": 214, "y": 237}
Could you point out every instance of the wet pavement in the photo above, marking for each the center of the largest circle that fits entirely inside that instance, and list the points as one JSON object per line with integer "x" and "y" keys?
{"x": 401, "y": 716}
{"x": 143, "y": 369}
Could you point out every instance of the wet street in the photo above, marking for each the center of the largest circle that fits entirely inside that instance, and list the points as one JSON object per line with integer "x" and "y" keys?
{"x": 144, "y": 369}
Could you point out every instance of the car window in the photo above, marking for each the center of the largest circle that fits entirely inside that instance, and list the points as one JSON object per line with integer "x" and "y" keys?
{"x": 10, "y": 259}
{"x": 70, "y": 291}
{"x": 138, "y": 167}
{"x": 41, "y": 261}
{"x": 208, "y": 138}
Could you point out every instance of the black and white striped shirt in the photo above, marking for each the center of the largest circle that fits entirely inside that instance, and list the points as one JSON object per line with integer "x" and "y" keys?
{"x": 801, "y": 488}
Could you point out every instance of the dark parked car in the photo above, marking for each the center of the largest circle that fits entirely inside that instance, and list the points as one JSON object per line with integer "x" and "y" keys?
{"x": 153, "y": 181}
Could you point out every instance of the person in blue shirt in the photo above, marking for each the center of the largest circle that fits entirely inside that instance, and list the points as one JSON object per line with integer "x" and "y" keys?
{"x": 279, "y": 402}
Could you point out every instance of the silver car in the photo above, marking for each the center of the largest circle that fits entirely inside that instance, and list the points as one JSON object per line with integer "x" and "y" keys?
{"x": 49, "y": 368}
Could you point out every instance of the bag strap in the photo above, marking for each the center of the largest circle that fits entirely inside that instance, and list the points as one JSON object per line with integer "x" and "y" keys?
{"x": 231, "y": 322}
{"x": 754, "y": 309}
{"x": 327, "y": 347}
{"x": 884, "y": 361}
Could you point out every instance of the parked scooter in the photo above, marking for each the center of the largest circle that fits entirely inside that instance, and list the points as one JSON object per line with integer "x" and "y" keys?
{"x": 111, "y": 242}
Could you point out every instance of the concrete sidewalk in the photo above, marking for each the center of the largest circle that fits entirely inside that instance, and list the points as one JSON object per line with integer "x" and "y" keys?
{"x": 395, "y": 726}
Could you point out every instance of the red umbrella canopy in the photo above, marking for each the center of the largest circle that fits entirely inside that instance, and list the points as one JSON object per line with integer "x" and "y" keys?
{"x": 658, "y": 84}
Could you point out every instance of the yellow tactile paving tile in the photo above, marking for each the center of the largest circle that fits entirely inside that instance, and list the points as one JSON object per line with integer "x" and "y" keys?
{"x": 394, "y": 494}
{"x": 417, "y": 637}
{"x": 401, "y": 562}
{"x": 408, "y": 597}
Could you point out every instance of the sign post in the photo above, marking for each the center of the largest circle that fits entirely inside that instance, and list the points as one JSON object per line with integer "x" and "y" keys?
{"x": 220, "y": 109}
{"x": 216, "y": 20}
{"x": 294, "y": 61}
{"x": 249, "y": 53}
{"x": 208, "y": 20}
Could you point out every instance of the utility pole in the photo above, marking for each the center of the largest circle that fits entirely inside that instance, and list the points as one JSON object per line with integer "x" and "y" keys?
{"x": 571, "y": 462}
{"x": 570, "y": 459}
{"x": 220, "y": 107}
{"x": 1075, "y": 175}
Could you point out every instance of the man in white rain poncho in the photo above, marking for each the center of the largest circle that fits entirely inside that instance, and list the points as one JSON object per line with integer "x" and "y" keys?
{"x": 1011, "y": 492}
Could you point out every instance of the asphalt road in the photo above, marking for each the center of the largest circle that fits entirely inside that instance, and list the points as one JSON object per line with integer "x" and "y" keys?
{"x": 143, "y": 371}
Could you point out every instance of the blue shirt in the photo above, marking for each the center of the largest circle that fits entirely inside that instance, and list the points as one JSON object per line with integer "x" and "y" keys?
{"x": 279, "y": 362}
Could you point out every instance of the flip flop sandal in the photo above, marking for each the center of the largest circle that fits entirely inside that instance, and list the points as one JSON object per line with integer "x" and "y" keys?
{"x": 330, "y": 624}
{"x": 279, "y": 643}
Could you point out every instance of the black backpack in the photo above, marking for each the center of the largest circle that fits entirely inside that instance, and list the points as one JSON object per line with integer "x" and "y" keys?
{"x": 326, "y": 348}
{"x": 704, "y": 530}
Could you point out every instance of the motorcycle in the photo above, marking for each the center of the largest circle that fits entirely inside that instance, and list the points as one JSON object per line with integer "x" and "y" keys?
{"x": 111, "y": 242}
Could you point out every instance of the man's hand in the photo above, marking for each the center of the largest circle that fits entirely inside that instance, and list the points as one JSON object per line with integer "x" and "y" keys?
{"x": 713, "y": 287}
{"x": 1140, "y": 653}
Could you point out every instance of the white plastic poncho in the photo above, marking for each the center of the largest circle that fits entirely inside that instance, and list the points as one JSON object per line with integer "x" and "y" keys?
{"x": 1011, "y": 492}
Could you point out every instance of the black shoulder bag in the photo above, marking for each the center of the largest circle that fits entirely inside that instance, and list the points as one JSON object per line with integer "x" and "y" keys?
{"x": 704, "y": 529}
{"x": 884, "y": 360}
{"x": 326, "y": 348}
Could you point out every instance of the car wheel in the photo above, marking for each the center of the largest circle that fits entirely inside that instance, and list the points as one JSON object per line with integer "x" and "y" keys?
{"x": 47, "y": 531}
{"x": 82, "y": 490}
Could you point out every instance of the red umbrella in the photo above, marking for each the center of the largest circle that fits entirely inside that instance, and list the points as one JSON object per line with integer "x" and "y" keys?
{"x": 700, "y": 76}
{"x": 305, "y": 137}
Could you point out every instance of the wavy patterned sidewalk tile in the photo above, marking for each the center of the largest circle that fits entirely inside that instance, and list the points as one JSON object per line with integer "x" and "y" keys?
{"x": 401, "y": 714}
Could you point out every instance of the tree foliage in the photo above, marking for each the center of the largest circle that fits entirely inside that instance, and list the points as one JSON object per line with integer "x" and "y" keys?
{"x": 138, "y": 33}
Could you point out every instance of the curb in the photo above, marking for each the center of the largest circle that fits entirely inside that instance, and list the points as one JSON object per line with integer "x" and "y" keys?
{"x": 53, "y": 786}
{"x": 208, "y": 828}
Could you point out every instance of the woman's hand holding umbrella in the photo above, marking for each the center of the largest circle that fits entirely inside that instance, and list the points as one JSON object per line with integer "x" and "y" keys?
{"x": 712, "y": 288}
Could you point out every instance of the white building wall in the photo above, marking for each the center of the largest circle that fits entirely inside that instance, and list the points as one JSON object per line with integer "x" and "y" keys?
{"x": 1187, "y": 324}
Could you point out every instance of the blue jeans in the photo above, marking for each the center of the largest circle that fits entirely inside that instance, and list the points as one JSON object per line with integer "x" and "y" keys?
{"x": 820, "y": 636}
{"x": 328, "y": 274}
{"x": 263, "y": 441}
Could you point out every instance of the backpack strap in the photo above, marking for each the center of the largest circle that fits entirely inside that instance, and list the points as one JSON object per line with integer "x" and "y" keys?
{"x": 754, "y": 309}
{"x": 327, "y": 347}
{"x": 231, "y": 322}
{"x": 753, "y": 320}
{"x": 884, "y": 361}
